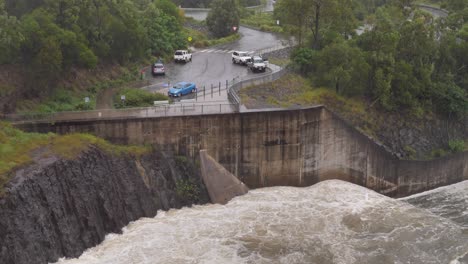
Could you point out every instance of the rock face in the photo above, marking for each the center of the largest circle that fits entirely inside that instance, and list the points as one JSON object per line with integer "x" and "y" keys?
{"x": 61, "y": 207}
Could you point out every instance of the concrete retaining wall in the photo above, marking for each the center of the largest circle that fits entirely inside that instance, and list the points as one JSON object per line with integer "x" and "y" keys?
{"x": 286, "y": 147}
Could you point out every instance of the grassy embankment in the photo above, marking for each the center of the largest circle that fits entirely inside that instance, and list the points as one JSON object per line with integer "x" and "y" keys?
{"x": 137, "y": 98}
{"x": 200, "y": 37}
{"x": 70, "y": 92}
{"x": 18, "y": 149}
{"x": 294, "y": 90}
{"x": 261, "y": 21}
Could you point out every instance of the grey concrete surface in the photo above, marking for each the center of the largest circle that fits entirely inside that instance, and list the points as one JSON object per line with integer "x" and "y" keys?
{"x": 277, "y": 148}
{"x": 222, "y": 185}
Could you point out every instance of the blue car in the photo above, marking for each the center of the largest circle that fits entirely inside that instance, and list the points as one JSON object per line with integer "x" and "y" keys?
{"x": 182, "y": 88}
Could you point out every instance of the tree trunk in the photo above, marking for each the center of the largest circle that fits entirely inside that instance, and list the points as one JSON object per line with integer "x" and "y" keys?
{"x": 316, "y": 44}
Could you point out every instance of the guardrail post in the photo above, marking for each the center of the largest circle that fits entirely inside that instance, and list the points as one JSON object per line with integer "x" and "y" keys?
{"x": 202, "y": 109}
{"x": 165, "y": 110}
{"x": 183, "y": 109}
{"x": 211, "y": 90}
{"x": 220, "y": 108}
{"x": 204, "y": 91}
{"x": 227, "y": 86}
{"x": 219, "y": 88}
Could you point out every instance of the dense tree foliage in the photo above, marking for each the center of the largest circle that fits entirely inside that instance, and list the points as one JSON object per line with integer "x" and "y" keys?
{"x": 207, "y": 3}
{"x": 51, "y": 36}
{"x": 223, "y": 16}
{"x": 405, "y": 59}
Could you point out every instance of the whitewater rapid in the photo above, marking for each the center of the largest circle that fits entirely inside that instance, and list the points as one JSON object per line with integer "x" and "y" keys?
{"x": 330, "y": 222}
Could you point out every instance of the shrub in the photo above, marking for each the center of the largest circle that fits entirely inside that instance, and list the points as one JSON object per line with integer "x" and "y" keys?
{"x": 137, "y": 98}
{"x": 187, "y": 190}
{"x": 456, "y": 146}
{"x": 411, "y": 152}
{"x": 437, "y": 153}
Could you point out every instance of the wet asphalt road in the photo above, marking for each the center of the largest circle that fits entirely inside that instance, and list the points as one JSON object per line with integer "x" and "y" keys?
{"x": 213, "y": 65}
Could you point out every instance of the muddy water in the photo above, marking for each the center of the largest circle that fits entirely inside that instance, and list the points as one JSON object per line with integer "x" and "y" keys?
{"x": 330, "y": 222}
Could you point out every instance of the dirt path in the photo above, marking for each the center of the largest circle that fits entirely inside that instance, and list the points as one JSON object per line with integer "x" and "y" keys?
{"x": 105, "y": 99}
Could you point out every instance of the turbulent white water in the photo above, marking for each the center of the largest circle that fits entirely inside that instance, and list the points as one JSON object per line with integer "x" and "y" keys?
{"x": 330, "y": 222}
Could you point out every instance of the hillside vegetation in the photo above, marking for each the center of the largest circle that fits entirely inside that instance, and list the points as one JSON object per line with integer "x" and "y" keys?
{"x": 402, "y": 80}
{"x": 405, "y": 60}
{"x": 46, "y": 40}
{"x": 18, "y": 148}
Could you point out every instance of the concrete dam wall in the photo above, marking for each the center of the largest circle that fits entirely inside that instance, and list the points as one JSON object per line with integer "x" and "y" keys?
{"x": 284, "y": 147}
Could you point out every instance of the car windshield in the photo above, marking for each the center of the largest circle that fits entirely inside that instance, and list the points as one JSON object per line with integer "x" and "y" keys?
{"x": 159, "y": 66}
{"x": 178, "y": 86}
{"x": 178, "y": 53}
{"x": 243, "y": 54}
{"x": 258, "y": 60}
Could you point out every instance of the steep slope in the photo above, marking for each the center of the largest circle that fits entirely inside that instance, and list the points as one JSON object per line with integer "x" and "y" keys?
{"x": 61, "y": 207}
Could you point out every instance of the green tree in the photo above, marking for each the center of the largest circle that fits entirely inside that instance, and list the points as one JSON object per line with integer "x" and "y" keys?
{"x": 292, "y": 14}
{"x": 343, "y": 68}
{"x": 380, "y": 48}
{"x": 305, "y": 59}
{"x": 316, "y": 18}
{"x": 223, "y": 16}
{"x": 11, "y": 37}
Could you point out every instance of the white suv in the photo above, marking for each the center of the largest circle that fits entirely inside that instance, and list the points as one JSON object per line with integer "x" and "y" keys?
{"x": 240, "y": 57}
{"x": 182, "y": 55}
{"x": 257, "y": 64}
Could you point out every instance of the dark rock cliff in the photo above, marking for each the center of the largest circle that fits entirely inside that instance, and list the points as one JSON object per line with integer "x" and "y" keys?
{"x": 60, "y": 207}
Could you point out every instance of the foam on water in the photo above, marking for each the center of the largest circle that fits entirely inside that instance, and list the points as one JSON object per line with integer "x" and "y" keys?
{"x": 330, "y": 222}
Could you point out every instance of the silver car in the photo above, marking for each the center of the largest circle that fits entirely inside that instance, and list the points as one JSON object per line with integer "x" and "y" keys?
{"x": 158, "y": 69}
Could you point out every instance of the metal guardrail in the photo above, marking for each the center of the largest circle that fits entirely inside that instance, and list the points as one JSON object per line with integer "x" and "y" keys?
{"x": 239, "y": 83}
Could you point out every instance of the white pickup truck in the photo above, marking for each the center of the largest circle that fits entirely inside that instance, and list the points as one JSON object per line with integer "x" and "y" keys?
{"x": 182, "y": 55}
{"x": 240, "y": 57}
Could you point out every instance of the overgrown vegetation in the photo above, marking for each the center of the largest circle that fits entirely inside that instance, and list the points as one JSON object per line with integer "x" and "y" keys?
{"x": 223, "y": 18}
{"x": 406, "y": 61}
{"x": 207, "y": 3}
{"x": 48, "y": 38}
{"x": 18, "y": 148}
{"x": 137, "y": 98}
{"x": 187, "y": 190}
{"x": 202, "y": 40}
{"x": 261, "y": 21}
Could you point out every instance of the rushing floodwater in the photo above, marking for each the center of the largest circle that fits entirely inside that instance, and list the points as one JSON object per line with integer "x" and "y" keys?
{"x": 330, "y": 222}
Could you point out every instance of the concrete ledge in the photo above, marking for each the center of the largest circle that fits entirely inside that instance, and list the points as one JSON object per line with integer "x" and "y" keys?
{"x": 222, "y": 186}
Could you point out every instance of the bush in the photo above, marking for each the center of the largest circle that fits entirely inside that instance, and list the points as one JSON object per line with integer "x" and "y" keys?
{"x": 187, "y": 190}
{"x": 224, "y": 15}
{"x": 456, "y": 146}
{"x": 411, "y": 152}
{"x": 137, "y": 98}
{"x": 437, "y": 153}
